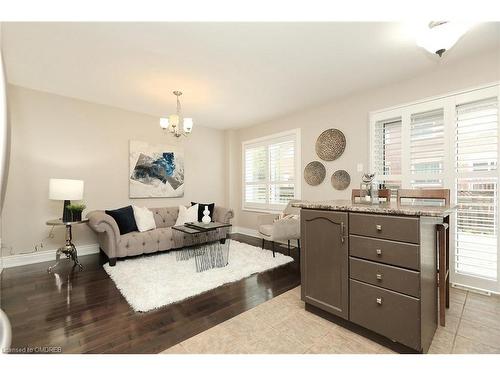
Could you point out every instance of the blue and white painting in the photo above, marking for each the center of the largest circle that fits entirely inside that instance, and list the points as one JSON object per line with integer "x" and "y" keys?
{"x": 156, "y": 171}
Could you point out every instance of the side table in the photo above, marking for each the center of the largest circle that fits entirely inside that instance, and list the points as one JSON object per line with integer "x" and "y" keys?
{"x": 69, "y": 248}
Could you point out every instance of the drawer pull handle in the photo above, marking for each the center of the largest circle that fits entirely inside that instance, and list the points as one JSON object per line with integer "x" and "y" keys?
{"x": 379, "y": 276}
{"x": 379, "y": 300}
{"x": 379, "y": 251}
{"x": 379, "y": 227}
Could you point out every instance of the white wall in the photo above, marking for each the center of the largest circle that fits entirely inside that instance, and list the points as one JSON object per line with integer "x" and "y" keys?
{"x": 350, "y": 114}
{"x": 54, "y": 136}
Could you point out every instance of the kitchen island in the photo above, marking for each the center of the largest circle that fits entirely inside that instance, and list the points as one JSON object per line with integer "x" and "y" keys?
{"x": 373, "y": 266}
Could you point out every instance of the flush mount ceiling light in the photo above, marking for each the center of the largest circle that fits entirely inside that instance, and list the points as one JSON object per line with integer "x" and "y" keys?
{"x": 174, "y": 122}
{"x": 439, "y": 36}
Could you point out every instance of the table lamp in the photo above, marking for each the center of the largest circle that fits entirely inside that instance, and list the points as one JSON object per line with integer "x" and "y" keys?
{"x": 65, "y": 190}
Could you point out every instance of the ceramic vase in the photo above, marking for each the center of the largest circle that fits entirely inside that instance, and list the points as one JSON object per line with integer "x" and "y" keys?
{"x": 206, "y": 216}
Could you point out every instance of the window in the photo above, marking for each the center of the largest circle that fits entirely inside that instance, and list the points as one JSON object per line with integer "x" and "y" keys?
{"x": 476, "y": 157}
{"x": 387, "y": 153}
{"x": 449, "y": 142}
{"x": 271, "y": 176}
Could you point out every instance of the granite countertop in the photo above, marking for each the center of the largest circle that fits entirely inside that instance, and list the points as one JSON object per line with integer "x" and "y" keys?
{"x": 390, "y": 208}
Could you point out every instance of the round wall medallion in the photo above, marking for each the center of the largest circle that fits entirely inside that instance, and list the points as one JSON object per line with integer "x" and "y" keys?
{"x": 341, "y": 179}
{"x": 314, "y": 173}
{"x": 330, "y": 144}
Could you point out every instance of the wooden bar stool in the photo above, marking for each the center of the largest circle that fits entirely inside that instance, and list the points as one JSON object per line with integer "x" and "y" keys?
{"x": 443, "y": 232}
{"x": 382, "y": 193}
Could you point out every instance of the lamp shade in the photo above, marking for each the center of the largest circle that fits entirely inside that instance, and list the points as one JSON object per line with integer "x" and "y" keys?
{"x": 188, "y": 125}
{"x": 61, "y": 189}
{"x": 173, "y": 120}
{"x": 164, "y": 123}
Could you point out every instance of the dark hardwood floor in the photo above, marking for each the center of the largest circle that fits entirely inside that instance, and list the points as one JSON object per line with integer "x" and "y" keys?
{"x": 83, "y": 312}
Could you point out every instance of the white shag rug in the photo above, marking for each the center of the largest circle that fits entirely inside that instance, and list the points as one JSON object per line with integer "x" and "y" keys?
{"x": 151, "y": 282}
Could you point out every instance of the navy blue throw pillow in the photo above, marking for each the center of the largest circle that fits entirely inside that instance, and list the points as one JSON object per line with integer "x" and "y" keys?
{"x": 124, "y": 218}
{"x": 201, "y": 208}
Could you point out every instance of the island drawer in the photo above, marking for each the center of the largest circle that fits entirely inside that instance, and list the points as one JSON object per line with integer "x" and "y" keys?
{"x": 384, "y": 276}
{"x": 390, "y": 252}
{"x": 388, "y": 313}
{"x": 397, "y": 228}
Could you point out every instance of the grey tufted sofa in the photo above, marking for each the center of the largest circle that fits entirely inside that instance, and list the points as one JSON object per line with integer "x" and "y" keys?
{"x": 162, "y": 238}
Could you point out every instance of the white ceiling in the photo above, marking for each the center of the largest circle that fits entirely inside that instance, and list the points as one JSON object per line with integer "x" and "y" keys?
{"x": 232, "y": 74}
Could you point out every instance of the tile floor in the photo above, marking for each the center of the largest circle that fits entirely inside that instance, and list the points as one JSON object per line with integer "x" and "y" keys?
{"x": 281, "y": 326}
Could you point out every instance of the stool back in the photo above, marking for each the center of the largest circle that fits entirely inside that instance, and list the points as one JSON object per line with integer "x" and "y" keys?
{"x": 382, "y": 193}
{"x": 427, "y": 194}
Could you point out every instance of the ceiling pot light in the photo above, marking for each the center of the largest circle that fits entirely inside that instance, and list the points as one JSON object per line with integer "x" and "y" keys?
{"x": 439, "y": 36}
{"x": 174, "y": 121}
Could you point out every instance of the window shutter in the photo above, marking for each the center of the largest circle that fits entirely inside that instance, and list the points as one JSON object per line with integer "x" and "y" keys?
{"x": 282, "y": 172}
{"x": 477, "y": 189}
{"x": 270, "y": 172}
{"x": 387, "y": 148}
{"x": 477, "y": 136}
{"x": 427, "y": 142}
{"x": 255, "y": 174}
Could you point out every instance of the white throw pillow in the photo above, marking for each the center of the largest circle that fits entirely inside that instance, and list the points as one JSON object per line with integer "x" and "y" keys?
{"x": 187, "y": 215}
{"x": 144, "y": 218}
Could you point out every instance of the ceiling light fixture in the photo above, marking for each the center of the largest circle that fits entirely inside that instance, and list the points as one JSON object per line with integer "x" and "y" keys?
{"x": 173, "y": 122}
{"x": 439, "y": 36}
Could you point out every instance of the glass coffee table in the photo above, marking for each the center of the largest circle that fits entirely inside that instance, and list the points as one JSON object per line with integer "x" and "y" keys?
{"x": 203, "y": 242}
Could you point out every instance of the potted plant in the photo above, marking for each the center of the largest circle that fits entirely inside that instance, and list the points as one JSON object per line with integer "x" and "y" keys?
{"x": 76, "y": 210}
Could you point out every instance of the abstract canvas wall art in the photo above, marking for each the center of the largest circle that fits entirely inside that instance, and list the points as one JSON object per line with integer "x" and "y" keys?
{"x": 156, "y": 171}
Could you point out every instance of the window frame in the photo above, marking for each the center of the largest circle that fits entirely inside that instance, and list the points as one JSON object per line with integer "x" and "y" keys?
{"x": 297, "y": 181}
{"x": 449, "y": 103}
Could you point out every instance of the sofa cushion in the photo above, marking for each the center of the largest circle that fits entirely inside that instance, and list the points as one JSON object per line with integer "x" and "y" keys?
{"x": 201, "y": 208}
{"x": 187, "y": 215}
{"x": 124, "y": 218}
{"x": 144, "y": 218}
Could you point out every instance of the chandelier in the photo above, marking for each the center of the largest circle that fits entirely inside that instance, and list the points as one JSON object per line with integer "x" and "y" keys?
{"x": 173, "y": 123}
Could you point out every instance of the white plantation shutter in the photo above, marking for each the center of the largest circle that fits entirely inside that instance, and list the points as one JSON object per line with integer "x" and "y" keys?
{"x": 282, "y": 172}
{"x": 477, "y": 188}
{"x": 387, "y": 146}
{"x": 477, "y": 136}
{"x": 256, "y": 174}
{"x": 449, "y": 142}
{"x": 477, "y": 227}
{"x": 427, "y": 142}
{"x": 270, "y": 167}
{"x": 427, "y": 145}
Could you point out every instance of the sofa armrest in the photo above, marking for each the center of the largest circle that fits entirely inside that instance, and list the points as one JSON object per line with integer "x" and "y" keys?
{"x": 223, "y": 215}
{"x": 266, "y": 219}
{"x": 100, "y": 222}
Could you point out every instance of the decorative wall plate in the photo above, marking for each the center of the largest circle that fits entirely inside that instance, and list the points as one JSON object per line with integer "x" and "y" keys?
{"x": 314, "y": 173}
{"x": 330, "y": 144}
{"x": 341, "y": 179}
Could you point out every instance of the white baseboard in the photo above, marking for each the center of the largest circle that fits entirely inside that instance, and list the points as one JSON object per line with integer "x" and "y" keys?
{"x": 247, "y": 231}
{"x": 44, "y": 256}
{"x": 50, "y": 255}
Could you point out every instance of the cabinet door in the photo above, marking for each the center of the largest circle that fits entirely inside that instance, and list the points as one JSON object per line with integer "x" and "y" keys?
{"x": 324, "y": 260}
